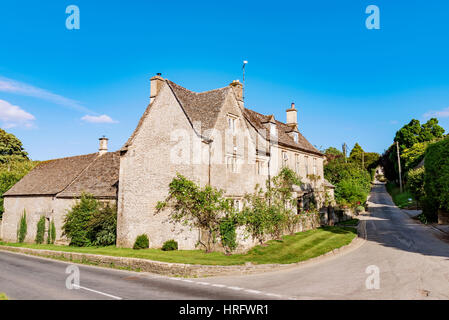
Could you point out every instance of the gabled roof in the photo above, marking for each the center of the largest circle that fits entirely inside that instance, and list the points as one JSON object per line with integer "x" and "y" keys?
{"x": 203, "y": 107}
{"x": 257, "y": 120}
{"x": 72, "y": 175}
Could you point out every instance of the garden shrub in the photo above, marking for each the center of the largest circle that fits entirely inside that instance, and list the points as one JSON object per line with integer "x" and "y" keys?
{"x": 436, "y": 178}
{"x": 40, "y": 232}
{"x": 77, "y": 220}
{"x": 415, "y": 183}
{"x": 170, "y": 245}
{"x": 360, "y": 209}
{"x": 51, "y": 233}
{"x": 228, "y": 234}
{"x": 142, "y": 242}
{"x": 103, "y": 226}
{"x": 22, "y": 228}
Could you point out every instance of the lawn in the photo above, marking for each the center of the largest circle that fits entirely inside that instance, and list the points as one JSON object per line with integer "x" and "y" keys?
{"x": 293, "y": 248}
{"x": 402, "y": 200}
{"x": 3, "y": 296}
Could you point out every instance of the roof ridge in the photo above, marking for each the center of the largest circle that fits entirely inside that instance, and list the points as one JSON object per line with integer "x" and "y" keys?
{"x": 194, "y": 92}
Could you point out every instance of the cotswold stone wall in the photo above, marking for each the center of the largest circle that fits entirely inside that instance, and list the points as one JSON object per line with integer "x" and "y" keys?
{"x": 1, "y": 229}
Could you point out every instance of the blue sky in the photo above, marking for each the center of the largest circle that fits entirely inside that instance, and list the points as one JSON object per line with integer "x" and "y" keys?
{"x": 350, "y": 84}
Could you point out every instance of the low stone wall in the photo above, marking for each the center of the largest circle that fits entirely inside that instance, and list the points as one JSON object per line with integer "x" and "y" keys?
{"x": 1, "y": 229}
{"x": 443, "y": 217}
{"x": 165, "y": 268}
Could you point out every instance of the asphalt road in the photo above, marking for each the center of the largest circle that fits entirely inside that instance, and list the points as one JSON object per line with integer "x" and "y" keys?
{"x": 411, "y": 259}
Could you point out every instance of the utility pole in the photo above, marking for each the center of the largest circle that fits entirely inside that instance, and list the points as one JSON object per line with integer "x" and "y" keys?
{"x": 399, "y": 164}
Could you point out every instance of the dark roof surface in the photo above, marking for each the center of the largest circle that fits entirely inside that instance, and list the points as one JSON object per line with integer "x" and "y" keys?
{"x": 257, "y": 120}
{"x": 72, "y": 175}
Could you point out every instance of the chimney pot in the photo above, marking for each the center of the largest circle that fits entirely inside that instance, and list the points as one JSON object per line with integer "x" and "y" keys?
{"x": 103, "y": 145}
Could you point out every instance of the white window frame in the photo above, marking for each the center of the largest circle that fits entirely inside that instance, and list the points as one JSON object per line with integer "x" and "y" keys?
{"x": 297, "y": 163}
{"x": 232, "y": 123}
{"x": 295, "y": 136}
{"x": 273, "y": 129}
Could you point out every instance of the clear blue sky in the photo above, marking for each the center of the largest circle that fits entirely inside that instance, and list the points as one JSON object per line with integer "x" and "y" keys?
{"x": 350, "y": 84}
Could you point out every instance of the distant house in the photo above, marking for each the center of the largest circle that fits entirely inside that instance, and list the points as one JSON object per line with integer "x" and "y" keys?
{"x": 209, "y": 137}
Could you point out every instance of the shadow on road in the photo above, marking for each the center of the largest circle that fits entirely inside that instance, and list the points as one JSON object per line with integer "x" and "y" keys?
{"x": 390, "y": 227}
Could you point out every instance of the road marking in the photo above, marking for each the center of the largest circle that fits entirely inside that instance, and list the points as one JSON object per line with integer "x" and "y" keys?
{"x": 204, "y": 283}
{"x": 235, "y": 288}
{"x": 253, "y": 291}
{"x": 273, "y": 295}
{"x": 99, "y": 292}
{"x": 218, "y": 285}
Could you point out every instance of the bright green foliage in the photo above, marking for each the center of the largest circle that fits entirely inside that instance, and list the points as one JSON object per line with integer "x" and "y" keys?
{"x": 436, "y": 179}
{"x": 170, "y": 245}
{"x": 352, "y": 183}
{"x": 51, "y": 233}
{"x": 228, "y": 233}
{"x": 22, "y": 229}
{"x": 356, "y": 153}
{"x": 90, "y": 223}
{"x": 333, "y": 151}
{"x": 197, "y": 207}
{"x": 414, "y": 132}
{"x": 40, "y": 233}
{"x": 142, "y": 242}
{"x": 103, "y": 226}
{"x": 11, "y": 148}
{"x": 415, "y": 183}
{"x": 412, "y": 156}
{"x": 77, "y": 220}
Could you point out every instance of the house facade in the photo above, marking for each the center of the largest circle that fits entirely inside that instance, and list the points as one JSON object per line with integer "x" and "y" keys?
{"x": 209, "y": 137}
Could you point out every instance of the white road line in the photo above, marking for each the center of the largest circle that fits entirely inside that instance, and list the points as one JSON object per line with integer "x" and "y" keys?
{"x": 235, "y": 288}
{"x": 219, "y": 285}
{"x": 273, "y": 295}
{"x": 253, "y": 291}
{"x": 185, "y": 280}
{"x": 99, "y": 292}
{"x": 204, "y": 283}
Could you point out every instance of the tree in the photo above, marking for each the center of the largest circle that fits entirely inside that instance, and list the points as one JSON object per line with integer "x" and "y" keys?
{"x": 11, "y": 147}
{"x": 22, "y": 228}
{"x": 408, "y": 135}
{"x": 200, "y": 207}
{"x": 40, "y": 232}
{"x": 431, "y": 130}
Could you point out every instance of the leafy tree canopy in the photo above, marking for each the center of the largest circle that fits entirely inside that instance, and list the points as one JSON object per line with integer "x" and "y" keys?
{"x": 11, "y": 147}
{"x": 414, "y": 132}
{"x": 357, "y": 151}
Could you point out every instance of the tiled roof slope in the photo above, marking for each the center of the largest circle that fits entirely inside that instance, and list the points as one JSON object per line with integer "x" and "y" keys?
{"x": 99, "y": 179}
{"x": 203, "y": 107}
{"x": 71, "y": 175}
{"x": 52, "y": 176}
{"x": 257, "y": 119}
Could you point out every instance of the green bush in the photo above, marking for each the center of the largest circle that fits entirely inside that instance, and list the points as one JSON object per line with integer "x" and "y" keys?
{"x": 415, "y": 183}
{"x": 77, "y": 220}
{"x": 103, "y": 226}
{"x": 142, "y": 242}
{"x": 170, "y": 245}
{"x": 436, "y": 178}
{"x": 40, "y": 232}
{"x": 360, "y": 209}
{"x": 51, "y": 233}
{"x": 228, "y": 234}
{"x": 22, "y": 228}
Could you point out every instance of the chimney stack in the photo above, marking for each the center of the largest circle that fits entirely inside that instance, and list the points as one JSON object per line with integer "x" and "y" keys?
{"x": 103, "y": 146}
{"x": 238, "y": 89}
{"x": 156, "y": 83}
{"x": 292, "y": 115}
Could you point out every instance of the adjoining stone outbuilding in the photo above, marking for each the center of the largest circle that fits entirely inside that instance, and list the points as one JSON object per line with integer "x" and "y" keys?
{"x": 209, "y": 137}
{"x": 52, "y": 188}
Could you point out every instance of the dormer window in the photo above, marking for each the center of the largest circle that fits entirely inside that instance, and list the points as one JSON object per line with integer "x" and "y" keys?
{"x": 273, "y": 130}
{"x": 295, "y": 136}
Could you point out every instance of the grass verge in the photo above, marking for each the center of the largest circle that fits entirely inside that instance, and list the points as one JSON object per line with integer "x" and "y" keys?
{"x": 400, "y": 199}
{"x": 292, "y": 248}
{"x": 353, "y": 223}
{"x": 3, "y": 296}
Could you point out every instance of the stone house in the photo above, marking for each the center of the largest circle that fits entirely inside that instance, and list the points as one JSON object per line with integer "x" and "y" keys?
{"x": 209, "y": 137}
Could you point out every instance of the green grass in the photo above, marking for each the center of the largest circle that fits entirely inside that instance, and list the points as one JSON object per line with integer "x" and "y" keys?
{"x": 400, "y": 199}
{"x": 352, "y": 222}
{"x": 3, "y": 296}
{"x": 293, "y": 248}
